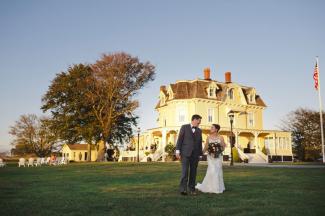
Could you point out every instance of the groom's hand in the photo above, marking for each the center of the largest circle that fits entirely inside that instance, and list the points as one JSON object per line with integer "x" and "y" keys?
{"x": 178, "y": 156}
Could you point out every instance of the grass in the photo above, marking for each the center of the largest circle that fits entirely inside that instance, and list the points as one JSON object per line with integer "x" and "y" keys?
{"x": 152, "y": 189}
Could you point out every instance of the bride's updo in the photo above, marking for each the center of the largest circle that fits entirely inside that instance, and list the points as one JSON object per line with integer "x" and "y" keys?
{"x": 217, "y": 127}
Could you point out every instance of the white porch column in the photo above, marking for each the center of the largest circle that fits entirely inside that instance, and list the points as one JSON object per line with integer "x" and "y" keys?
{"x": 149, "y": 141}
{"x": 163, "y": 142}
{"x": 256, "y": 140}
{"x": 274, "y": 144}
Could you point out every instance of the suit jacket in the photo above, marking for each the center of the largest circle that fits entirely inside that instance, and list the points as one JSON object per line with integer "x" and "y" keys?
{"x": 189, "y": 143}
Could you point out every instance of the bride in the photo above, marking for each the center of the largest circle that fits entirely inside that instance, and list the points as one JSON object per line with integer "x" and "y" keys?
{"x": 213, "y": 180}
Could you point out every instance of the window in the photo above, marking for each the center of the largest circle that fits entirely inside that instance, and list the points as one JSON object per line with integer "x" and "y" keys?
{"x": 211, "y": 92}
{"x": 210, "y": 115}
{"x": 181, "y": 115}
{"x": 251, "y": 119}
{"x": 231, "y": 94}
{"x": 268, "y": 142}
{"x": 282, "y": 142}
{"x": 251, "y": 98}
{"x": 288, "y": 143}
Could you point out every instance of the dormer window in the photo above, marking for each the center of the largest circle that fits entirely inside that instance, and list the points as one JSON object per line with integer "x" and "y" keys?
{"x": 251, "y": 93}
{"x": 211, "y": 90}
{"x": 211, "y": 93}
{"x": 231, "y": 94}
{"x": 251, "y": 97}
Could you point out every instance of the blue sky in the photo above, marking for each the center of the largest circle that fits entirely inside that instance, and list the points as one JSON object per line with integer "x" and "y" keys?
{"x": 270, "y": 45}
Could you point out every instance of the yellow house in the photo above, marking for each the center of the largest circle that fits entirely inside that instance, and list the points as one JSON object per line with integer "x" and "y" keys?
{"x": 213, "y": 100}
{"x": 78, "y": 152}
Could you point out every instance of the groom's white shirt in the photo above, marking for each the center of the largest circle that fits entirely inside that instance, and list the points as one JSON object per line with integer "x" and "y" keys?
{"x": 193, "y": 130}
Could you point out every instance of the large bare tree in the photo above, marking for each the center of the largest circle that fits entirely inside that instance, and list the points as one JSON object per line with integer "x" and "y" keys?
{"x": 34, "y": 133}
{"x": 116, "y": 80}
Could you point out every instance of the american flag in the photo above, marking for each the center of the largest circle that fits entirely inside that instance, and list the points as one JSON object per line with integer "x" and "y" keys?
{"x": 316, "y": 76}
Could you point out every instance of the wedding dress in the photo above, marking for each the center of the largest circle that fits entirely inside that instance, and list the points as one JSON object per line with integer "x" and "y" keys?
{"x": 213, "y": 180}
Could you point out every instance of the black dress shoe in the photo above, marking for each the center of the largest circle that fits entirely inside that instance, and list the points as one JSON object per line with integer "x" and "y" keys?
{"x": 184, "y": 193}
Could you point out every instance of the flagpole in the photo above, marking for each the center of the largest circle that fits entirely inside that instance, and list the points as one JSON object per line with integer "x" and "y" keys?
{"x": 320, "y": 111}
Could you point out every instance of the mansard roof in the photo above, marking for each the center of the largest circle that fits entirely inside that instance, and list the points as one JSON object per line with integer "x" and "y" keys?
{"x": 188, "y": 89}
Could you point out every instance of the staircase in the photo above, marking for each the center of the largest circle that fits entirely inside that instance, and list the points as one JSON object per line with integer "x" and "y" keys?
{"x": 157, "y": 154}
{"x": 255, "y": 158}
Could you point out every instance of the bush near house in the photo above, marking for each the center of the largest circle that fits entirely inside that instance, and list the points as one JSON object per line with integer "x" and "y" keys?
{"x": 170, "y": 150}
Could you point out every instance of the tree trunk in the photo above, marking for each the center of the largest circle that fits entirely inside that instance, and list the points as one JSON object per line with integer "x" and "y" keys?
{"x": 89, "y": 152}
{"x": 101, "y": 151}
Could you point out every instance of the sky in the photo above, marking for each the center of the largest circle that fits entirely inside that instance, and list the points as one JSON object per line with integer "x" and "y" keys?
{"x": 269, "y": 45}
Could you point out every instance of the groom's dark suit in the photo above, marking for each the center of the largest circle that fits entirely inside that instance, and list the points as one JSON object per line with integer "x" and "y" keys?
{"x": 190, "y": 146}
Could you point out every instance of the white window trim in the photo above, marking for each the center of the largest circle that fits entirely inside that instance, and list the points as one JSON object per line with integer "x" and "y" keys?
{"x": 178, "y": 111}
{"x": 233, "y": 94}
{"x": 212, "y": 115}
{"x": 251, "y": 114}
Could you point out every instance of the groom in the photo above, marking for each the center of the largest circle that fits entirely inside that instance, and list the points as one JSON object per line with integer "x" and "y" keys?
{"x": 189, "y": 149}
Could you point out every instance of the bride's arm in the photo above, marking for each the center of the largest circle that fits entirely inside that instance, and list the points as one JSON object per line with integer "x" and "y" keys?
{"x": 206, "y": 145}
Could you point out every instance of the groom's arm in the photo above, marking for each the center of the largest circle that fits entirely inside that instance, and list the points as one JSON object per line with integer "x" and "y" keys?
{"x": 180, "y": 140}
{"x": 201, "y": 141}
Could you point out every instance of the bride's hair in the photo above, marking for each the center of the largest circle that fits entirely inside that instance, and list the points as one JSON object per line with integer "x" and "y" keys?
{"x": 216, "y": 126}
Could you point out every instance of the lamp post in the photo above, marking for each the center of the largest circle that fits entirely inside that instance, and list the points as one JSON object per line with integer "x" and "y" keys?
{"x": 231, "y": 118}
{"x": 138, "y": 143}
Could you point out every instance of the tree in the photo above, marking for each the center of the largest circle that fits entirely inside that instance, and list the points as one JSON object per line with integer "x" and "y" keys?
{"x": 116, "y": 80}
{"x": 94, "y": 103}
{"x": 306, "y": 136}
{"x": 34, "y": 135}
{"x": 71, "y": 114}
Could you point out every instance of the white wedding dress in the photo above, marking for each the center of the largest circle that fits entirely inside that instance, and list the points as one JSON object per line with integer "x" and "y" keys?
{"x": 213, "y": 180}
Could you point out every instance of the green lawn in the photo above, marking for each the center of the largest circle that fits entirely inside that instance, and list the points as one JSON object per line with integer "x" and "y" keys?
{"x": 152, "y": 189}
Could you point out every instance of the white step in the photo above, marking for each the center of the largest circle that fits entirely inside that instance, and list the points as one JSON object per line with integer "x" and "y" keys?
{"x": 254, "y": 158}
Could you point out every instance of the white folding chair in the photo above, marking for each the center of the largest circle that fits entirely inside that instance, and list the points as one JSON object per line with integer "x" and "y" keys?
{"x": 30, "y": 162}
{"x": 48, "y": 159}
{"x": 21, "y": 162}
{"x": 2, "y": 164}
{"x": 38, "y": 162}
{"x": 42, "y": 161}
{"x": 63, "y": 161}
{"x": 58, "y": 161}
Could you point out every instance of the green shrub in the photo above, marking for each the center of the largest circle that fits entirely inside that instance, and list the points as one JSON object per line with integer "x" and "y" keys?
{"x": 170, "y": 149}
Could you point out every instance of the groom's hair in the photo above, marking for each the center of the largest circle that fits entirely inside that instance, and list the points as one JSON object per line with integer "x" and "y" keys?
{"x": 196, "y": 116}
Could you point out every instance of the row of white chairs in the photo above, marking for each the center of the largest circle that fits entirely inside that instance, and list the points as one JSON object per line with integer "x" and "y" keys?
{"x": 2, "y": 163}
{"x": 42, "y": 161}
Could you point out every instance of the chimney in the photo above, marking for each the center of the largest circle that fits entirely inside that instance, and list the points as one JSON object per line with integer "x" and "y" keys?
{"x": 207, "y": 74}
{"x": 228, "y": 77}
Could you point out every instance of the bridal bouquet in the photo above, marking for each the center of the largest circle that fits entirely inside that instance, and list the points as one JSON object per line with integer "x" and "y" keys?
{"x": 215, "y": 149}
